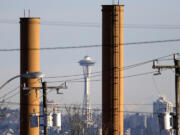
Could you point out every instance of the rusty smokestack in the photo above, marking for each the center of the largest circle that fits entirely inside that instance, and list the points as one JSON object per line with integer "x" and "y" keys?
{"x": 29, "y": 62}
{"x": 112, "y": 69}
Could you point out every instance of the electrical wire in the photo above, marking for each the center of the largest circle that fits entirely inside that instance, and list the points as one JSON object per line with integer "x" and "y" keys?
{"x": 74, "y": 106}
{"x": 78, "y": 107}
{"x": 12, "y": 96}
{"x": 11, "y": 91}
{"x": 76, "y": 80}
{"x": 123, "y": 68}
{"x": 79, "y": 79}
{"x": 155, "y": 85}
{"x": 93, "y": 46}
{"x": 95, "y": 25}
{"x": 127, "y": 67}
{"x": 63, "y": 105}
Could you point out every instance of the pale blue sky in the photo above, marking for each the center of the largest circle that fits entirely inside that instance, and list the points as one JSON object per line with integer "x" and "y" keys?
{"x": 64, "y": 62}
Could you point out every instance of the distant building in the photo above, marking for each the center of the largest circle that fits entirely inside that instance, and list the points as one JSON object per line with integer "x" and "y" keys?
{"x": 136, "y": 124}
{"x": 128, "y": 131}
{"x": 148, "y": 124}
{"x": 162, "y": 105}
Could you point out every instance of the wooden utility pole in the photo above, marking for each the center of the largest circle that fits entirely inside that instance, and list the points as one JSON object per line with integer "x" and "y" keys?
{"x": 176, "y": 66}
{"x": 177, "y": 88}
{"x": 44, "y": 87}
{"x": 29, "y": 62}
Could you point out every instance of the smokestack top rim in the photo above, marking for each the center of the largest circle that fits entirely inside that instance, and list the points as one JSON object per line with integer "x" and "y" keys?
{"x": 111, "y": 5}
{"x": 29, "y": 17}
{"x": 29, "y": 20}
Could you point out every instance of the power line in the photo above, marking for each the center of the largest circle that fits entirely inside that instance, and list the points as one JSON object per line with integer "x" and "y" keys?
{"x": 62, "y": 105}
{"x": 76, "y": 80}
{"x": 13, "y": 90}
{"x": 73, "y": 106}
{"x": 155, "y": 85}
{"x": 95, "y": 25}
{"x": 12, "y": 96}
{"x": 93, "y": 46}
{"x": 79, "y": 79}
{"x": 124, "y": 68}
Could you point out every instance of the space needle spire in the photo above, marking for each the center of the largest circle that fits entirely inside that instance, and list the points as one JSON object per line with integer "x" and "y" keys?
{"x": 86, "y": 63}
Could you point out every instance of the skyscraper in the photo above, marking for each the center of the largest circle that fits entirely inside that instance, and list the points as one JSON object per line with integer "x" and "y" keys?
{"x": 162, "y": 106}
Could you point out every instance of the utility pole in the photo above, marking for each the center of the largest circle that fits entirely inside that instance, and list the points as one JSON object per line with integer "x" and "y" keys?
{"x": 44, "y": 86}
{"x": 176, "y": 66}
{"x": 177, "y": 88}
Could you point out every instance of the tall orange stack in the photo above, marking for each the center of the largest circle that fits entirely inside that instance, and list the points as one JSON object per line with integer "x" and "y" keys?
{"x": 112, "y": 69}
{"x": 29, "y": 60}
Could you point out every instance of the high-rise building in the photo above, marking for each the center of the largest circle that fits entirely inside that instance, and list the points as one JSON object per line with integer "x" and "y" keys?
{"x": 162, "y": 106}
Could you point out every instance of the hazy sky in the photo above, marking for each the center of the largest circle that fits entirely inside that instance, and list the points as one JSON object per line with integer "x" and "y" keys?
{"x": 68, "y": 15}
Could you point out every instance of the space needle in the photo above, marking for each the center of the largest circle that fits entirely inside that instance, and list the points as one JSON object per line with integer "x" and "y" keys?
{"x": 86, "y": 63}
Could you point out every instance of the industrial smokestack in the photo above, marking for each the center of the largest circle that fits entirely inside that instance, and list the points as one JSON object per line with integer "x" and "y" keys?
{"x": 29, "y": 62}
{"x": 112, "y": 69}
